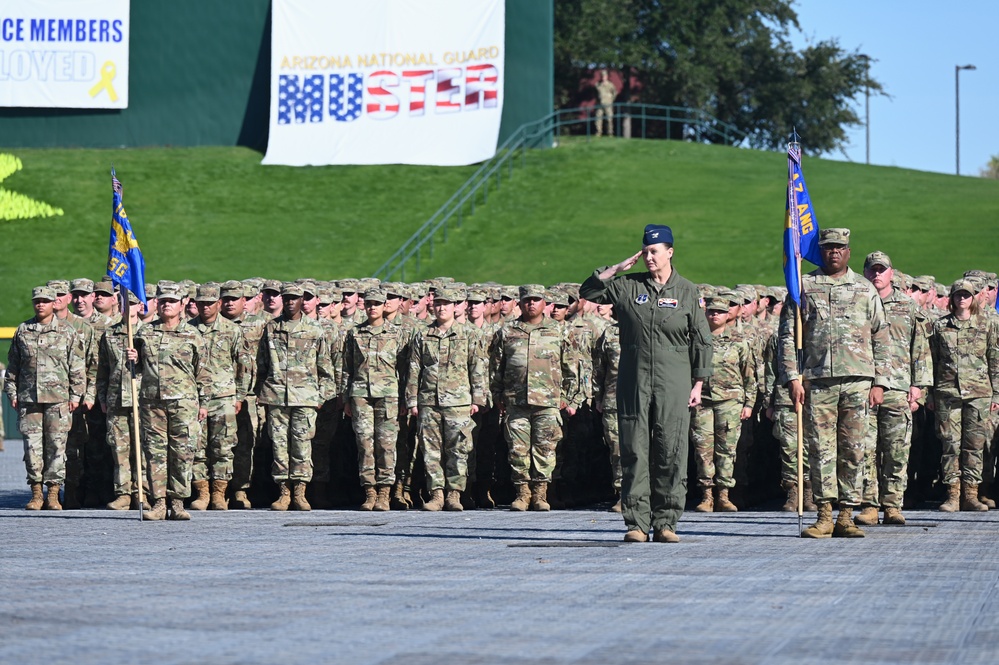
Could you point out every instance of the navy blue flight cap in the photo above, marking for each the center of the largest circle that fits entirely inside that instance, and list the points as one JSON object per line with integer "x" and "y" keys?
{"x": 656, "y": 233}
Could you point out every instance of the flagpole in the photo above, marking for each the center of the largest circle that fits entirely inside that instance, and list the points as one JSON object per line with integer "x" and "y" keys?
{"x": 798, "y": 407}
{"x": 134, "y": 430}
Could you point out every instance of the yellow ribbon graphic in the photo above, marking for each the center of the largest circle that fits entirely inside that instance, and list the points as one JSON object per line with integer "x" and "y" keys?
{"x": 107, "y": 75}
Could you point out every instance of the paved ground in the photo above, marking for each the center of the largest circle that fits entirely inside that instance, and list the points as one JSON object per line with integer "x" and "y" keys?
{"x": 486, "y": 587}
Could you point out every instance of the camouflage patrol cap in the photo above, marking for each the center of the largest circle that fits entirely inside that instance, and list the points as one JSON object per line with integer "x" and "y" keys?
{"x": 347, "y": 285}
{"x": 336, "y": 295}
{"x": 60, "y": 286}
{"x": 232, "y": 289}
{"x": 976, "y": 282}
{"x": 571, "y": 291}
{"x": 962, "y": 285}
{"x": 150, "y": 291}
{"x": 394, "y": 289}
{"x": 476, "y": 295}
{"x": 309, "y": 288}
{"x": 292, "y": 290}
{"x": 167, "y": 290}
{"x": 325, "y": 295}
{"x": 133, "y": 299}
{"x": 106, "y": 287}
{"x": 558, "y": 296}
{"x": 924, "y": 282}
{"x": 450, "y": 294}
{"x": 207, "y": 293}
{"x": 531, "y": 291}
{"x": 877, "y": 259}
{"x": 43, "y": 293}
{"x": 940, "y": 289}
{"x": 255, "y": 282}
{"x": 974, "y": 273}
{"x": 510, "y": 292}
{"x": 81, "y": 285}
{"x": 748, "y": 292}
{"x": 374, "y": 295}
{"x": 716, "y": 304}
{"x": 271, "y": 285}
{"x": 732, "y": 297}
{"x": 837, "y": 236}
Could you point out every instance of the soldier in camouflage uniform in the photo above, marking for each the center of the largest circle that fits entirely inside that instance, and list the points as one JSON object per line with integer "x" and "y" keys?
{"x": 406, "y": 438}
{"x": 606, "y": 92}
{"x": 233, "y": 296}
{"x": 965, "y": 350}
{"x": 606, "y": 358}
{"x": 886, "y": 465}
{"x": 487, "y": 450}
{"x": 76, "y": 442}
{"x": 45, "y": 381}
{"x": 373, "y": 356}
{"x": 114, "y": 392}
{"x": 533, "y": 369}
{"x": 843, "y": 375}
{"x": 446, "y": 386}
{"x": 224, "y": 359}
{"x": 170, "y": 354}
{"x": 295, "y": 377}
{"x": 331, "y": 412}
{"x": 105, "y": 299}
{"x": 727, "y": 400}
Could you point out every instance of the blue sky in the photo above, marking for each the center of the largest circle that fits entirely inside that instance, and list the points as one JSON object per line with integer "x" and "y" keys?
{"x": 916, "y": 45}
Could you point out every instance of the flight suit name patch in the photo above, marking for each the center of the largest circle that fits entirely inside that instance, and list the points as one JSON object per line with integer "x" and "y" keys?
{"x": 668, "y": 302}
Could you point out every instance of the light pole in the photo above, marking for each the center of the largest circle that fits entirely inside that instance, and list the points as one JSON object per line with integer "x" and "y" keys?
{"x": 957, "y": 114}
{"x": 867, "y": 104}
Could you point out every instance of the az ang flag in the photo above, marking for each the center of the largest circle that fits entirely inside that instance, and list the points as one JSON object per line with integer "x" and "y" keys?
{"x": 385, "y": 81}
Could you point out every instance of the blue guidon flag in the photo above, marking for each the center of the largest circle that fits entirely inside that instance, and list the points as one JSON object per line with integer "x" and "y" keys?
{"x": 126, "y": 266}
{"x": 801, "y": 229}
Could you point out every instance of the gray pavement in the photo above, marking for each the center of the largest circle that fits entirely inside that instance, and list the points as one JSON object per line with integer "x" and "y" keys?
{"x": 486, "y": 587}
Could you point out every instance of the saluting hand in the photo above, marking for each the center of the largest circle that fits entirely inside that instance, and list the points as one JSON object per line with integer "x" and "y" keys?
{"x": 629, "y": 262}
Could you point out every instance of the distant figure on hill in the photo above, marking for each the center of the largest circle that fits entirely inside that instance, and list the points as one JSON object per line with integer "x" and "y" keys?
{"x": 606, "y": 92}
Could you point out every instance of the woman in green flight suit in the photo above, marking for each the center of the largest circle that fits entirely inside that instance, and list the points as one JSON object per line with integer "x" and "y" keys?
{"x": 665, "y": 357}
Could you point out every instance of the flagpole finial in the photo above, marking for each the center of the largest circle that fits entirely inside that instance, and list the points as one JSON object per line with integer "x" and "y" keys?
{"x": 794, "y": 135}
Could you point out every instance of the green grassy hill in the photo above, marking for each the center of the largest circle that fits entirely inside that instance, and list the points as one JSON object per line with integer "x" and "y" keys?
{"x": 215, "y": 213}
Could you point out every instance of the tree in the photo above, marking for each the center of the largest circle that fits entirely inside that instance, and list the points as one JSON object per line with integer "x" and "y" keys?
{"x": 730, "y": 58}
{"x": 991, "y": 170}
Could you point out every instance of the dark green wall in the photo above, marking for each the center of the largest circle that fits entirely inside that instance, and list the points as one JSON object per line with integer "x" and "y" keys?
{"x": 199, "y": 73}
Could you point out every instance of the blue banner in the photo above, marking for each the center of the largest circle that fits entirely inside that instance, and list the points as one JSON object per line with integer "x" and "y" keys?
{"x": 126, "y": 266}
{"x": 801, "y": 228}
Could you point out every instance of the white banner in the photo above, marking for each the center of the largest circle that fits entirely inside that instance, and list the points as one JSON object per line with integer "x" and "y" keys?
{"x": 64, "y": 53}
{"x": 385, "y": 81}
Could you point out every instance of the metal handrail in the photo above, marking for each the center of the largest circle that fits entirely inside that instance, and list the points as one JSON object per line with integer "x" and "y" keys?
{"x": 541, "y": 133}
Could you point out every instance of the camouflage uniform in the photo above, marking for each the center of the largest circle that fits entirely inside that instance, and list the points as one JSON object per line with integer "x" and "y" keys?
{"x": 606, "y": 358}
{"x": 45, "y": 372}
{"x": 373, "y": 360}
{"x": 533, "y": 373}
{"x": 173, "y": 382}
{"x": 716, "y": 423}
{"x": 294, "y": 377}
{"x": 966, "y": 383}
{"x": 114, "y": 392}
{"x": 446, "y": 376}
{"x": 845, "y": 349}
{"x": 785, "y": 418}
{"x": 886, "y": 463}
{"x": 606, "y": 92}
{"x": 223, "y": 360}
{"x": 329, "y": 415}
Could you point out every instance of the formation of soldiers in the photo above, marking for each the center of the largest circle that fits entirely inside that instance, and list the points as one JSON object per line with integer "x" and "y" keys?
{"x": 442, "y": 395}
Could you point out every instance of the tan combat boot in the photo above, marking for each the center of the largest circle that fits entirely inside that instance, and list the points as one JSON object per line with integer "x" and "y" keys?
{"x": 616, "y": 508}
{"x": 370, "y": 495}
{"x": 707, "y": 504}
{"x": 807, "y": 498}
{"x": 453, "y": 501}
{"x": 539, "y": 497}
{"x": 400, "y": 497}
{"x": 436, "y": 501}
{"x": 200, "y": 491}
{"x": 240, "y": 501}
{"x": 636, "y": 536}
{"x": 121, "y": 502}
{"x": 157, "y": 512}
{"x": 217, "y": 501}
{"x": 382, "y": 501}
{"x": 953, "y": 501}
{"x": 893, "y": 516}
{"x": 969, "y": 498}
{"x": 665, "y": 535}
{"x": 284, "y": 499}
{"x": 722, "y": 504}
{"x": 823, "y": 527}
{"x": 868, "y": 516}
{"x": 177, "y": 511}
{"x": 298, "y": 500}
{"x": 52, "y": 499}
{"x": 986, "y": 500}
{"x": 36, "y": 498}
{"x": 845, "y": 526}
{"x": 523, "y": 499}
{"x": 791, "y": 505}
